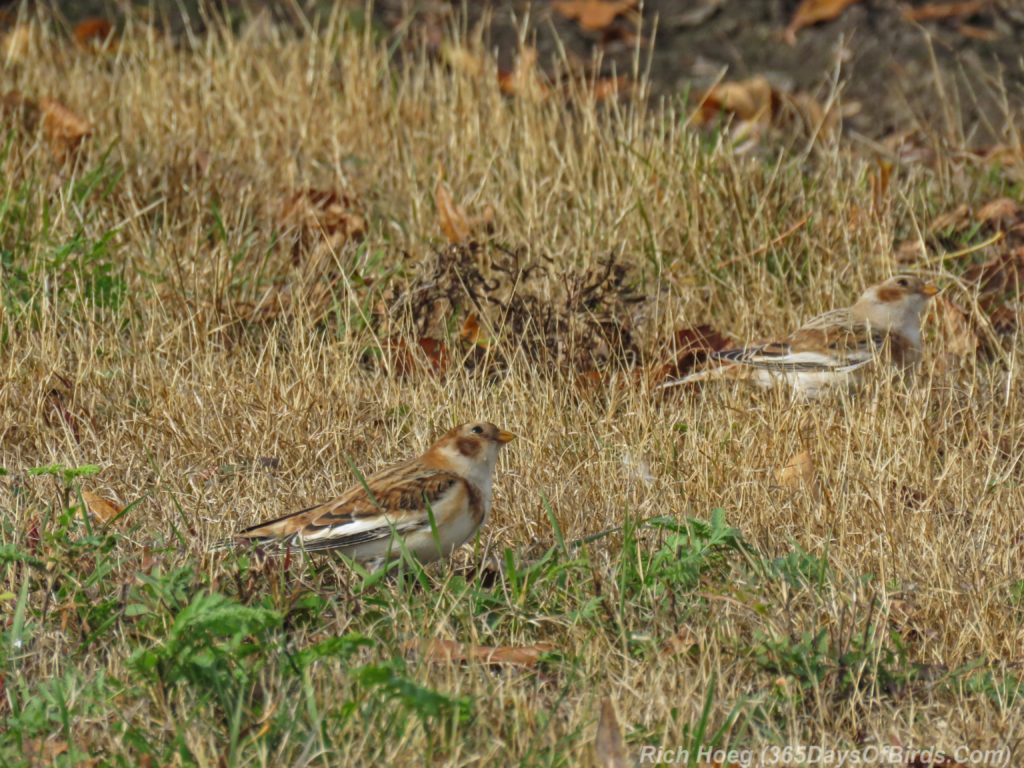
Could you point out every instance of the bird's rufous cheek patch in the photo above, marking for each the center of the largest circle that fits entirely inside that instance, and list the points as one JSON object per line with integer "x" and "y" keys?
{"x": 890, "y": 295}
{"x": 467, "y": 446}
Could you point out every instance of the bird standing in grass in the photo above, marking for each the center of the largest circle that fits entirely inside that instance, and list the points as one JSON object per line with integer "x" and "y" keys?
{"x": 832, "y": 349}
{"x": 433, "y": 504}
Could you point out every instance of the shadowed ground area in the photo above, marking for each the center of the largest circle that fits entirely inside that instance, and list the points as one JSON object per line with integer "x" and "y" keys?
{"x": 893, "y": 59}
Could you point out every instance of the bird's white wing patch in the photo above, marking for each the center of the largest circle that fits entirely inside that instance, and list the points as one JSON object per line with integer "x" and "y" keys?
{"x": 807, "y": 360}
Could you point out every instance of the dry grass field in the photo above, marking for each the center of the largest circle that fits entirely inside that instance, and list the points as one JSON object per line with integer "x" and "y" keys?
{"x": 249, "y": 282}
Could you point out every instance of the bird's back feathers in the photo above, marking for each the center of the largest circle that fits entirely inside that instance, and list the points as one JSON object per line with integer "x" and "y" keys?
{"x": 365, "y": 513}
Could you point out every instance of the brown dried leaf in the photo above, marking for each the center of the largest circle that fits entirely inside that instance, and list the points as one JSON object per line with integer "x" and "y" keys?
{"x": 405, "y": 359}
{"x": 453, "y": 219}
{"x": 609, "y": 746}
{"x": 451, "y": 651}
{"x": 798, "y": 472}
{"x": 319, "y": 214}
{"x": 94, "y": 33}
{"x": 942, "y": 11}
{"x": 102, "y": 509}
{"x": 63, "y": 128}
{"x": 757, "y": 105}
{"x": 593, "y": 15}
{"x": 610, "y": 87}
{"x": 811, "y": 12}
{"x": 524, "y": 81}
{"x": 750, "y": 100}
{"x": 471, "y": 331}
{"x": 1000, "y": 212}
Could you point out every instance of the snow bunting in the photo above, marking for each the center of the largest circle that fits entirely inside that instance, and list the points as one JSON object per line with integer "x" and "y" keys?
{"x": 451, "y": 482}
{"x": 831, "y": 349}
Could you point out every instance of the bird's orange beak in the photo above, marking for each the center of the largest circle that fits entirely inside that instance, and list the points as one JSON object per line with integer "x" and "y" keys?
{"x": 504, "y": 436}
{"x": 929, "y": 290}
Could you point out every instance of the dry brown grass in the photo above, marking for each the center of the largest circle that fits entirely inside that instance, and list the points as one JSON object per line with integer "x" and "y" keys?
{"x": 215, "y": 417}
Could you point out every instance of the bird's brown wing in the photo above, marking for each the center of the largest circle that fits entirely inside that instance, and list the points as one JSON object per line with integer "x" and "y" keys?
{"x": 832, "y": 342}
{"x": 393, "y": 500}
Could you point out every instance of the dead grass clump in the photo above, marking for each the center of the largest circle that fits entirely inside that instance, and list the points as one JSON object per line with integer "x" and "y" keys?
{"x": 567, "y": 319}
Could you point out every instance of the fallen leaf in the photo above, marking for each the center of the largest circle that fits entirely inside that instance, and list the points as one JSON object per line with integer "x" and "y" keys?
{"x": 102, "y": 509}
{"x": 609, "y": 87}
{"x": 451, "y": 651}
{"x": 524, "y": 81}
{"x": 798, "y": 472}
{"x": 609, "y": 746}
{"x": 453, "y": 219}
{"x": 593, "y": 15}
{"x": 471, "y": 331}
{"x": 94, "y": 33}
{"x": 747, "y": 99}
{"x": 1001, "y": 212}
{"x": 63, "y": 128}
{"x": 942, "y": 11}
{"x": 322, "y": 214}
{"x": 811, "y": 12}
{"x": 757, "y": 105}
{"x": 405, "y": 360}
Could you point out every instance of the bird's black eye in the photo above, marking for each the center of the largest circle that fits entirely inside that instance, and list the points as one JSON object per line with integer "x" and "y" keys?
{"x": 902, "y": 282}
{"x": 477, "y": 430}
